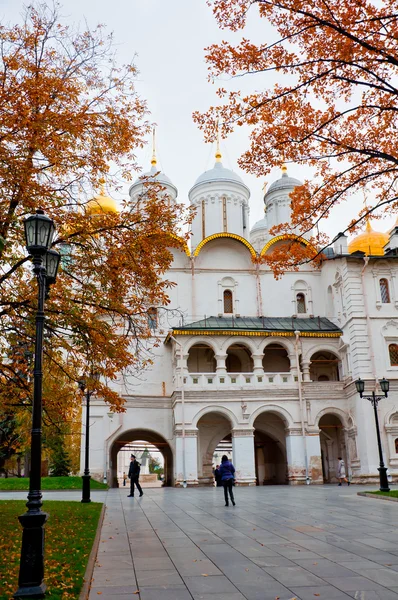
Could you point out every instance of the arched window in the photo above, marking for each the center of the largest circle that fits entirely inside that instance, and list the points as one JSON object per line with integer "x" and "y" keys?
{"x": 396, "y": 445}
{"x": 300, "y": 302}
{"x": 393, "y": 351}
{"x": 384, "y": 291}
{"x": 228, "y": 304}
{"x": 152, "y": 317}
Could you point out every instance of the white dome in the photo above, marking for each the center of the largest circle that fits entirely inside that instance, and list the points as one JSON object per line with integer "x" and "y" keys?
{"x": 154, "y": 175}
{"x": 261, "y": 224}
{"x": 219, "y": 173}
{"x": 284, "y": 182}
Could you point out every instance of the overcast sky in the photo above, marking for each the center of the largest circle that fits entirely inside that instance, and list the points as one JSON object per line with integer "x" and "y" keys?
{"x": 168, "y": 38}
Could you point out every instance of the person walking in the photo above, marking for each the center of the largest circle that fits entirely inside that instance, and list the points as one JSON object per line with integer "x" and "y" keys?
{"x": 134, "y": 474}
{"x": 227, "y": 471}
{"x": 341, "y": 471}
{"x": 217, "y": 476}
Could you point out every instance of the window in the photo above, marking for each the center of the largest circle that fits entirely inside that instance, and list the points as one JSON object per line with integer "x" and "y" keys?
{"x": 300, "y": 301}
{"x": 393, "y": 351}
{"x": 228, "y": 308}
{"x": 152, "y": 318}
{"x": 384, "y": 291}
{"x": 396, "y": 445}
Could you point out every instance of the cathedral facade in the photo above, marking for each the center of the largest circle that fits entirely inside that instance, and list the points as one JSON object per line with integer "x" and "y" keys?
{"x": 265, "y": 367}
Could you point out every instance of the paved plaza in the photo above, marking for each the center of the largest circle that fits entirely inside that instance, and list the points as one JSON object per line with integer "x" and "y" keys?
{"x": 277, "y": 543}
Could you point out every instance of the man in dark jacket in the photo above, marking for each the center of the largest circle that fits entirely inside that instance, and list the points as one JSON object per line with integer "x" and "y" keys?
{"x": 134, "y": 473}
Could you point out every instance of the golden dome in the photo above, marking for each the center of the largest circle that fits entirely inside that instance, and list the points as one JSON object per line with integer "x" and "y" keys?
{"x": 101, "y": 203}
{"x": 370, "y": 242}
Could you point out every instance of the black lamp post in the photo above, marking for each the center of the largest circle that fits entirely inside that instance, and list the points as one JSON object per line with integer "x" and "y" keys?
{"x": 385, "y": 386}
{"x": 84, "y": 387}
{"x": 39, "y": 233}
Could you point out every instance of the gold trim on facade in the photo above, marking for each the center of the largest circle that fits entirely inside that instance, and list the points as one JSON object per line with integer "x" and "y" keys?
{"x": 318, "y": 334}
{"x": 232, "y": 236}
{"x": 285, "y": 236}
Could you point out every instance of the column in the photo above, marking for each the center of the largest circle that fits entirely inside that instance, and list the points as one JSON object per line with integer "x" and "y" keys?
{"x": 243, "y": 456}
{"x": 293, "y": 365}
{"x": 221, "y": 368}
{"x": 258, "y": 364}
{"x": 306, "y": 370}
{"x": 314, "y": 457}
{"x": 191, "y": 458}
{"x": 295, "y": 454}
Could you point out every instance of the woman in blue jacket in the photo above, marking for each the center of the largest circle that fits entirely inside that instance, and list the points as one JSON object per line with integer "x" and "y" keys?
{"x": 227, "y": 471}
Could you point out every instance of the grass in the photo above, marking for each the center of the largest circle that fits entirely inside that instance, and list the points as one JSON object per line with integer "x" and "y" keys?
{"x": 392, "y": 493}
{"x": 49, "y": 483}
{"x": 70, "y": 532}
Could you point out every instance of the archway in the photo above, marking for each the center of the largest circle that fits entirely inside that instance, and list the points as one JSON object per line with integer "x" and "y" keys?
{"x": 276, "y": 359}
{"x": 133, "y": 435}
{"x": 332, "y": 446}
{"x": 213, "y": 427}
{"x": 239, "y": 359}
{"x": 201, "y": 359}
{"x": 270, "y": 449}
{"x": 324, "y": 366}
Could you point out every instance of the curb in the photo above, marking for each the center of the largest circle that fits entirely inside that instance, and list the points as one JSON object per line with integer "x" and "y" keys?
{"x": 376, "y": 497}
{"x": 84, "y": 592}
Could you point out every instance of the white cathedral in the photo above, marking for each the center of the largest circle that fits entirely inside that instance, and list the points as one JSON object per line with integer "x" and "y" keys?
{"x": 266, "y": 367}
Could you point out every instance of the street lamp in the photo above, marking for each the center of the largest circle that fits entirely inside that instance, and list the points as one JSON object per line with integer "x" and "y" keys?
{"x": 84, "y": 388}
{"x": 39, "y": 233}
{"x": 385, "y": 386}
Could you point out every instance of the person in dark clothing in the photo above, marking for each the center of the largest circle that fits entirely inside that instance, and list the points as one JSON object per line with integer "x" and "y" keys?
{"x": 217, "y": 476}
{"x": 227, "y": 471}
{"x": 134, "y": 473}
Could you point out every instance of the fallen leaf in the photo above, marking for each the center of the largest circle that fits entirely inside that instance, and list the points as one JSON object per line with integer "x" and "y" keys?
{"x": 204, "y": 574}
{"x": 247, "y": 570}
{"x": 314, "y": 563}
{"x": 195, "y": 560}
{"x": 137, "y": 592}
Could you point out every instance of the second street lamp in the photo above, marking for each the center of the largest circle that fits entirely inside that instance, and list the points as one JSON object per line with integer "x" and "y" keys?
{"x": 39, "y": 233}
{"x": 84, "y": 386}
{"x": 374, "y": 399}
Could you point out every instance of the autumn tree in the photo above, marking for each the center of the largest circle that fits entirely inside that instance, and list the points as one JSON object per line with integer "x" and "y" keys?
{"x": 70, "y": 116}
{"x": 333, "y": 104}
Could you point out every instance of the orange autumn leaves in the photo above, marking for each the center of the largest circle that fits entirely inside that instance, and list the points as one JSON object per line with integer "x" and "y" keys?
{"x": 68, "y": 116}
{"x": 332, "y": 106}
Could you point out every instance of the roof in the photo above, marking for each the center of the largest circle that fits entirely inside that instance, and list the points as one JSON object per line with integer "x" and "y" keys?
{"x": 284, "y": 182}
{"x": 219, "y": 173}
{"x": 261, "y": 224}
{"x": 261, "y": 326}
{"x": 155, "y": 176}
{"x": 370, "y": 242}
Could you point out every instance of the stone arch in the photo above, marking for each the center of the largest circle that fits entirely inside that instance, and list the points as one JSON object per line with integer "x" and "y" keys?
{"x": 270, "y": 447}
{"x": 239, "y": 357}
{"x": 281, "y": 412}
{"x": 341, "y": 414}
{"x": 286, "y": 343}
{"x": 201, "y": 340}
{"x": 334, "y": 441}
{"x": 321, "y": 346}
{"x": 201, "y": 358}
{"x": 325, "y": 365}
{"x": 239, "y": 339}
{"x": 213, "y": 427}
{"x": 218, "y": 409}
{"x": 148, "y": 435}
